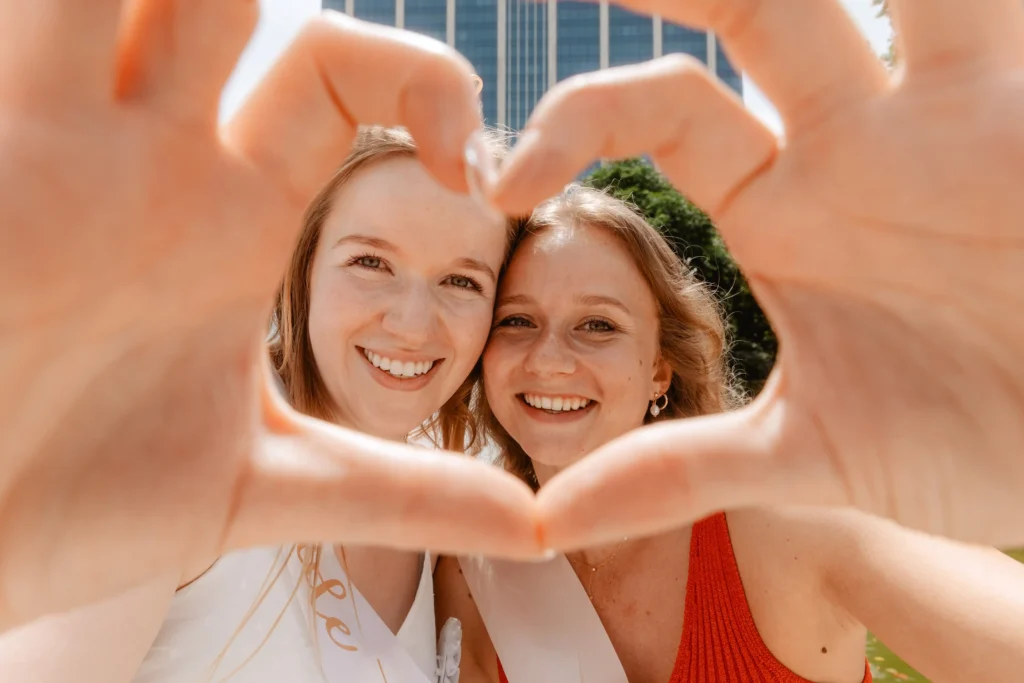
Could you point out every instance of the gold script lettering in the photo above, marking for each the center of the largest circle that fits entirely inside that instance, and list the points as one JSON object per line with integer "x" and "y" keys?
{"x": 333, "y": 624}
{"x": 310, "y": 558}
{"x": 326, "y": 586}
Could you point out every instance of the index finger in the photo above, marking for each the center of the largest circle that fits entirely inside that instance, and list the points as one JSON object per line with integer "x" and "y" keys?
{"x": 340, "y": 73}
{"x": 806, "y": 55}
{"x": 316, "y": 481}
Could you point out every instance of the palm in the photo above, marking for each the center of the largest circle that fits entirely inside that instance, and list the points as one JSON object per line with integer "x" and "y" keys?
{"x": 141, "y": 250}
{"x": 883, "y": 239}
{"x": 873, "y": 281}
{"x": 147, "y": 299}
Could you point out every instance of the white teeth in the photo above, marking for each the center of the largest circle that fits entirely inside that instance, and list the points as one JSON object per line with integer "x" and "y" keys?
{"x": 396, "y": 367}
{"x": 559, "y": 403}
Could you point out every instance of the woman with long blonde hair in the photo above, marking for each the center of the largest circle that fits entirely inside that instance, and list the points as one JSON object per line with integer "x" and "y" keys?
{"x": 600, "y": 329}
{"x": 379, "y": 325}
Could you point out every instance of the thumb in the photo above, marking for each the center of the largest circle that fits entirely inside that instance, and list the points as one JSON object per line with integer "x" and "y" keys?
{"x": 674, "y": 473}
{"x": 310, "y": 481}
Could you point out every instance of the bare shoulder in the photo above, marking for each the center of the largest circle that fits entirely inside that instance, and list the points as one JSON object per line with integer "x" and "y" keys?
{"x": 453, "y": 599}
{"x": 813, "y": 541}
{"x": 792, "y": 545}
{"x": 799, "y": 524}
{"x": 807, "y": 551}
{"x": 782, "y": 556}
{"x": 840, "y": 541}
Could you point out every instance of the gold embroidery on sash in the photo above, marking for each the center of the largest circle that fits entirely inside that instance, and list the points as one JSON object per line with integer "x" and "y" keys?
{"x": 336, "y": 629}
{"x": 309, "y": 556}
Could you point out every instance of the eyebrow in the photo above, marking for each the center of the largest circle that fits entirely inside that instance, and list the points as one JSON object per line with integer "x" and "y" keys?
{"x": 477, "y": 265}
{"x": 384, "y": 245}
{"x": 514, "y": 299}
{"x": 375, "y": 242}
{"x": 600, "y": 300}
{"x": 585, "y": 300}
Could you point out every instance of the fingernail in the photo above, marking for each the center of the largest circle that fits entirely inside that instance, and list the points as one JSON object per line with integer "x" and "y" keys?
{"x": 481, "y": 172}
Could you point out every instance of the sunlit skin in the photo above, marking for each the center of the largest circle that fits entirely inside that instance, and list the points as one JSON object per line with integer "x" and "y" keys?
{"x": 575, "y": 321}
{"x": 143, "y": 244}
{"x": 883, "y": 240}
{"x": 406, "y": 271}
{"x": 410, "y": 277}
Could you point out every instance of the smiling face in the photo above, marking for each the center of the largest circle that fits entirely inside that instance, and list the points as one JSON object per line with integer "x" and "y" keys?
{"x": 401, "y": 294}
{"x": 573, "y": 360}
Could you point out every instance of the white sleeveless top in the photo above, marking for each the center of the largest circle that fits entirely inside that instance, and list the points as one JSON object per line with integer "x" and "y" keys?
{"x": 205, "y": 615}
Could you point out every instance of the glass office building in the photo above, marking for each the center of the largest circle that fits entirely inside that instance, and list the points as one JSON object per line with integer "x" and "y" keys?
{"x": 522, "y": 47}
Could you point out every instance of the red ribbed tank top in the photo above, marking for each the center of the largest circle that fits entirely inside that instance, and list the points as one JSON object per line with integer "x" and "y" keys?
{"x": 720, "y": 642}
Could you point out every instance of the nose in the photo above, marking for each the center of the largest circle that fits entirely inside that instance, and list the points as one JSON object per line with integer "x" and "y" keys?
{"x": 412, "y": 315}
{"x": 550, "y": 355}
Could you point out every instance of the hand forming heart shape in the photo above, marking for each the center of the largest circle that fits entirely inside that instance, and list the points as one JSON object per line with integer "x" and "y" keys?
{"x": 141, "y": 248}
{"x": 884, "y": 240}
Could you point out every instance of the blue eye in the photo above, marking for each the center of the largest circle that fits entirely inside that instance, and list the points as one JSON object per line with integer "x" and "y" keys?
{"x": 598, "y": 325}
{"x": 463, "y": 282}
{"x": 515, "y": 321}
{"x": 369, "y": 262}
{"x": 372, "y": 262}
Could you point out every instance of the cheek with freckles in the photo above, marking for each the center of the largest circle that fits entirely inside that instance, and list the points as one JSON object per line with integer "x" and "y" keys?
{"x": 467, "y": 329}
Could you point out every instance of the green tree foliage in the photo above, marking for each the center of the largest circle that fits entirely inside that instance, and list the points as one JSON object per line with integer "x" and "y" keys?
{"x": 890, "y": 56}
{"x": 695, "y": 239}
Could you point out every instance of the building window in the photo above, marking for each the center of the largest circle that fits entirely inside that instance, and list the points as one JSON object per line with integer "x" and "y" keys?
{"x": 727, "y": 72}
{"x": 681, "y": 39}
{"x": 579, "y": 39}
{"x": 429, "y": 17}
{"x": 476, "y": 37}
{"x": 630, "y": 37}
{"x": 526, "y": 59}
{"x": 377, "y": 11}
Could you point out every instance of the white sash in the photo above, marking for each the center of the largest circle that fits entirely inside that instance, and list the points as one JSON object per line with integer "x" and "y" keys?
{"x": 356, "y": 646}
{"x": 541, "y": 622}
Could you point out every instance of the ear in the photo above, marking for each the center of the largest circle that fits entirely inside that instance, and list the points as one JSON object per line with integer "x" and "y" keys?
{"x": 662, "y": 377}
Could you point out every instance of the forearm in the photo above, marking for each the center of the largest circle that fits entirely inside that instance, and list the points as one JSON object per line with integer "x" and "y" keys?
{"x": 101, "y": 643}
{"x": 954, "y": 612}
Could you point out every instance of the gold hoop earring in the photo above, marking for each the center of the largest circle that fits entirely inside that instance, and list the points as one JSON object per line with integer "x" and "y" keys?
{"x": 655, "y": 408}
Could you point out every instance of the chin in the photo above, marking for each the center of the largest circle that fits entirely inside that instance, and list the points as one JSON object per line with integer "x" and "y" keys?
{"x": 554, "y": 454}
{"x": 393, "y": 425}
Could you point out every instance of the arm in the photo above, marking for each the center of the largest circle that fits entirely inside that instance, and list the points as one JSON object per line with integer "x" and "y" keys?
{"x": 101, "y": 643}
{"x": 453, "y": 599}
{"x": 955, "y": 612}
